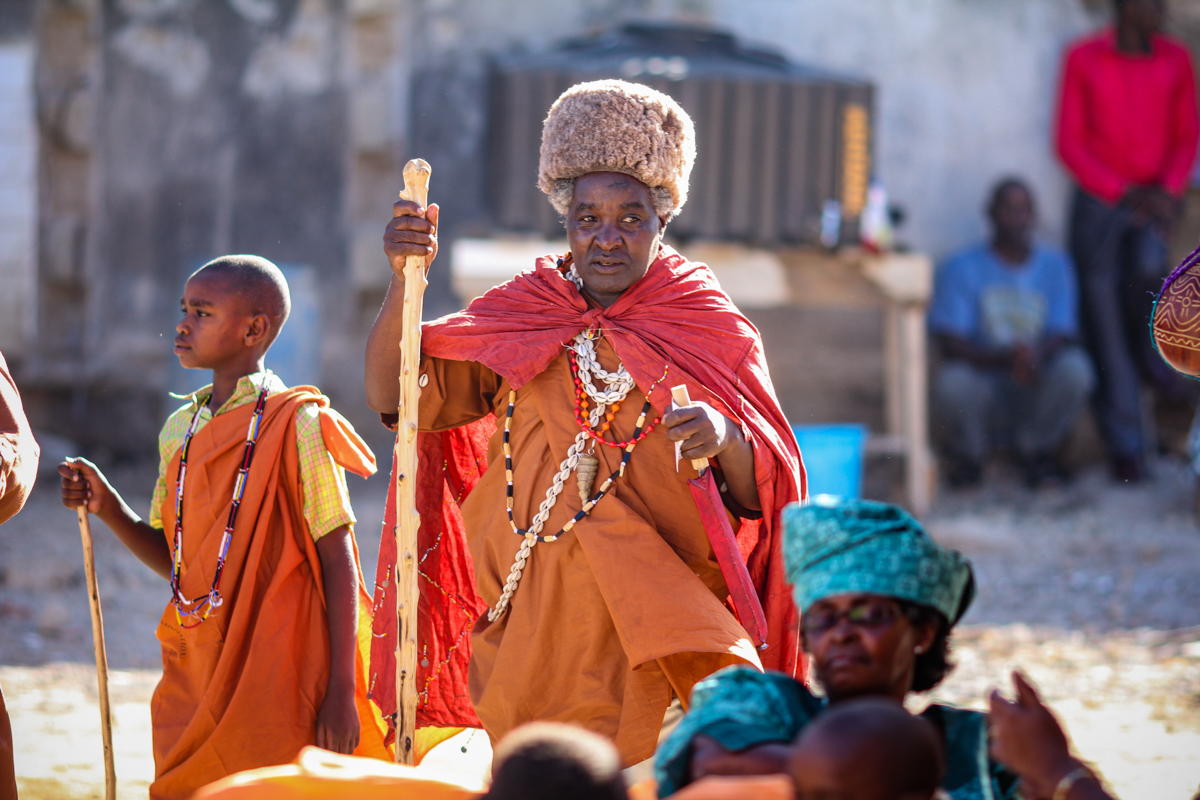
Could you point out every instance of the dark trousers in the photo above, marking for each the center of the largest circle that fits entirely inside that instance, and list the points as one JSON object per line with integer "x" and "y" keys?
{"x": 978, "y": 407}
{"x": 1121, "y": 266}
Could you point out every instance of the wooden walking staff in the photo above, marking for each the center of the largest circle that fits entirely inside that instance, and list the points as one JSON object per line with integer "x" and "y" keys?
{"x": 416, "y": 190}
{"x": 89, "y": 570}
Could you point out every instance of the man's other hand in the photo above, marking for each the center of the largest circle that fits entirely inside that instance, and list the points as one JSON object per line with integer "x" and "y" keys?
{"x": 703, "y": 431}
{"x": 412, "y": 231}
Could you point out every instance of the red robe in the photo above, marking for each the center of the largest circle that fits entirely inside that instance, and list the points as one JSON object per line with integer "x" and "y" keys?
{"x": 677, "y": 319}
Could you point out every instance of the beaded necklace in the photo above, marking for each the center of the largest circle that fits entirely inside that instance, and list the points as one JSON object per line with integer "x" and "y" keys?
{"x": 589, "y": 416}
{"x": 206, "y": 603}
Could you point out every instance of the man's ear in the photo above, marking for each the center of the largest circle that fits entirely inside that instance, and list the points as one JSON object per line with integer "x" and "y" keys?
{"x": 258, "y": 330}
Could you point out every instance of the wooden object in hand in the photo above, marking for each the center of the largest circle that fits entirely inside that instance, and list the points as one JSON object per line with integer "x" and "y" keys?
{"x": 89, "y": 571}
{"x": 416, "y": 189}
{"x": 1176, "y": 325}
{"x": 680, "y": 395}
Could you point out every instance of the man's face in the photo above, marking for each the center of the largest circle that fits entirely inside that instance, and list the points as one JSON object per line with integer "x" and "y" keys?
{"x": 1146, "y": 16}
{"x": 1013, "y": 215}
{"x": 613, "y": 232}
{"x": 215, "y": 324}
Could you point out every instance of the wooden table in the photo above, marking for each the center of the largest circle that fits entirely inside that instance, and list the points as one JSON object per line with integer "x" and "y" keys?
{"x": 900, "y": 284}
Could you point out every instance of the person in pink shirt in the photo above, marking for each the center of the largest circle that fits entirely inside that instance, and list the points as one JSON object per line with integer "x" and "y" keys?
{"x": 1127, "y": 132}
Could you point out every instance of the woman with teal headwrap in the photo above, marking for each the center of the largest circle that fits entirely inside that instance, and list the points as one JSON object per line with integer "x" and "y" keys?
{"x": 877, "y": 598}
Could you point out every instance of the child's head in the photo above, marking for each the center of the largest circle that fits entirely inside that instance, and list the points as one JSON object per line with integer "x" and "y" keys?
{"x": 867, "y": 749}
{"x": 553, "y": 761}
{"x": 233, "y": 308}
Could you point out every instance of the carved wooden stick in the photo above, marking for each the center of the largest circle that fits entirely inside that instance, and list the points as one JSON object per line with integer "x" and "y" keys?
{"x": 89, "y": 571}
{"x": 680, "y": 395}
{"x": 416, "y": 189}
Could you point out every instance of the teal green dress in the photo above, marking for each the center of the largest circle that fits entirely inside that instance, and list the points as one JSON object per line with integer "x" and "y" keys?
{"x": 741, "y": 707}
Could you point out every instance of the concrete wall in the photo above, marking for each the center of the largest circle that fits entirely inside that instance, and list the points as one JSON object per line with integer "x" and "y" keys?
{"x": 18, "y": 179}
{"x": 171, "y": 131}
{"x": 18, "y": 197}
{"x": 965, "y": 87}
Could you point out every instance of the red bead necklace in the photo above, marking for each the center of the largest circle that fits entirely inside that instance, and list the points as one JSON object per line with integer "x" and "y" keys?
{"x": 581, "y": 413}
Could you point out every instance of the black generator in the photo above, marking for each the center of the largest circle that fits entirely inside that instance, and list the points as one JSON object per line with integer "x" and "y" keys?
{"x": 781, "y": 148}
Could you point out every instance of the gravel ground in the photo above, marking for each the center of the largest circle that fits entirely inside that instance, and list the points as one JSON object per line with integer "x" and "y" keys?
{"x": 1092, "y": 589}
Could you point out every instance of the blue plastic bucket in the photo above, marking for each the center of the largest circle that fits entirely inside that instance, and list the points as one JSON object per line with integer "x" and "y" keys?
{"x": 833, "y": 457}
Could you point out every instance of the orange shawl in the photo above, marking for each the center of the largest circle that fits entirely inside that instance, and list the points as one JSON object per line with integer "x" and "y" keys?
{"x": 242, "y": 690}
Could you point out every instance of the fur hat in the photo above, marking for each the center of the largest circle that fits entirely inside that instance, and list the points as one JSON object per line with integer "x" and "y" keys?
{"x": 615, "y": 126}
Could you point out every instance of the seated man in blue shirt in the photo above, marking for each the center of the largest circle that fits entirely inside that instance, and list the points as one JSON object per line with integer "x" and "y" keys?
{"x": 1004, "y": 317}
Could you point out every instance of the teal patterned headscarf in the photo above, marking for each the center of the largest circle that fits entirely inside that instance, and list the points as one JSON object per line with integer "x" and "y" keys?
{"x": 837, "y": 546}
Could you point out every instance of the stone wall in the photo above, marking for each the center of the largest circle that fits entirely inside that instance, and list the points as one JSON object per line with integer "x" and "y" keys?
{"x": 171, "y": 131}
{"x": 18, "y": 180}
{"x": 174, "y": 131}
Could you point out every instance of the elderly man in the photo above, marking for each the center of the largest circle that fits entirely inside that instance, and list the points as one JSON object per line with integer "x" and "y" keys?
{"x": 622, "y": 604}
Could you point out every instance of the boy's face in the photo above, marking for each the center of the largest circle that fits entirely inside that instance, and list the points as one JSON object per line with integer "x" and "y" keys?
{"x": 217, "y": 326}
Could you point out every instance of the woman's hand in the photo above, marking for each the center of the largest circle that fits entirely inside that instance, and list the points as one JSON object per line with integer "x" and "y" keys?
{"x": 1024, "y": 736}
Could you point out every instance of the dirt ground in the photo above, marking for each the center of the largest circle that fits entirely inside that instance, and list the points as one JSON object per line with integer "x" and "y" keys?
{"x": 1092, "y": 589}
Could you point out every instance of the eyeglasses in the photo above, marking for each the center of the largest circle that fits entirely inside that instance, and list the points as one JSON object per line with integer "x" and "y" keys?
{"x": 875, "y": 615}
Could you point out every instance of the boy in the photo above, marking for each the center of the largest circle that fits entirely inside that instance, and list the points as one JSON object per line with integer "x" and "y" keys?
{"x": 868, "y": 749}
{"x": 252, "y": 525}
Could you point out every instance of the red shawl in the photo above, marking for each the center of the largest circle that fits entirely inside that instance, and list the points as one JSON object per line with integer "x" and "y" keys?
{"x": 675, "y": 318}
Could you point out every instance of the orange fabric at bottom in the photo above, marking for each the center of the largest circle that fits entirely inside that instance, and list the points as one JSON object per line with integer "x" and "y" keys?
{"x": 685, "y": 670}
{"x": 242, "y": 689}
{"x": 320, "y": 774}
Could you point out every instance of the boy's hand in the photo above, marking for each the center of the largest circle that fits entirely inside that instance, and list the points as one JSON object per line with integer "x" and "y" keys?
{"x": 83, "y": 483}
{"x": 337, "y": 721}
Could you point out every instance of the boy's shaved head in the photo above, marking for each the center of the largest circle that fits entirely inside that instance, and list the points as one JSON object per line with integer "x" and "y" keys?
{"x": 553, "y": 761}
{"x": 257, "y": 280}
{"x": 868, "y": 749}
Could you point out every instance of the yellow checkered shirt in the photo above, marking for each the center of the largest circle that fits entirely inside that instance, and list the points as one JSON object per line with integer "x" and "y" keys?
{"x": 323, "y": 481}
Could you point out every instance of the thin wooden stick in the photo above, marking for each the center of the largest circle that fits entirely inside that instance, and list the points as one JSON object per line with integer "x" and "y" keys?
{"x": 680, "y": 395}
{"x": 89, "y": 570}
{"x": 416, "y": 189}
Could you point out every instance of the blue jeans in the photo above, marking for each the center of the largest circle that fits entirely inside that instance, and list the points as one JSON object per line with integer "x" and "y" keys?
{"x": 1120, "y": 265}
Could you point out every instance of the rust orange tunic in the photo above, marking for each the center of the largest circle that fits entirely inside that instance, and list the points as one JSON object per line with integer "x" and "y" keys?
{"x": 614, "y": 617}
{"x": 242, "y": 690}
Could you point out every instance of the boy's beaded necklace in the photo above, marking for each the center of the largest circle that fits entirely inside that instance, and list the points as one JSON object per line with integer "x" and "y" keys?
{"x": 591, "y": 413}
{"x": 201, "y": 607}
